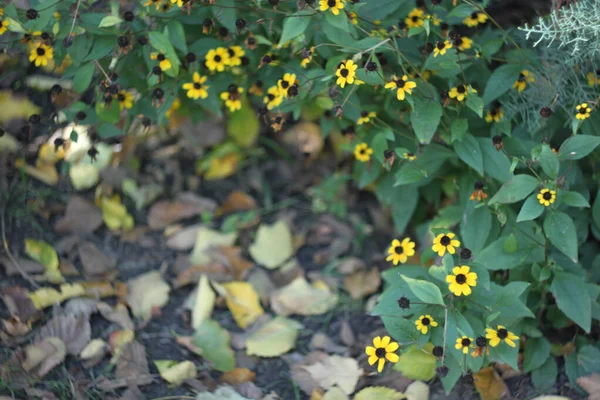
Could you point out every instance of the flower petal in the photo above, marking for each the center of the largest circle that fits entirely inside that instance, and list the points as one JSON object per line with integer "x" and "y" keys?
{"x": 385, "y": 341}
{"x": 373, "y": 359}
{"x": 390, "y": 348}
{"x": 370, "y": 350}
{"x": 381, "y": 364}
{"x": 377, "y": 342}
{"x": 392, "y": 357}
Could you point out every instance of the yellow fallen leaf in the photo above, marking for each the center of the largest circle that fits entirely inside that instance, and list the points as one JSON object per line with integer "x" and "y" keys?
{"x": 379, "y": 393}
{"x": 489, "y": 384}
{"x": 147, "y": 291}
{"x": 14, "y": 107}
{"x": 84, "y": 176}
{"x": 335, "y": 393}
{"x": 95, "y": 348}
{"x": 205, "y": 302}
{"x": 272, "y": 245}
{"x": 49, "y": 154}
{"x": 45, "y": 173}
{"x": 117, "y": 341}
{"x": 45, "y": 254}
{"x": 222, "y": 167}
{"x": 274, "y": 338}
{"x": 47, "y": 296}
{"x": 206, "y": 239}
{"x": 174, "y": 372}
{"x": 299, "y": 297}
{"x": 114, "y": 213}
{"x": 243, "y": 302}
{"x": 417, "y": 390}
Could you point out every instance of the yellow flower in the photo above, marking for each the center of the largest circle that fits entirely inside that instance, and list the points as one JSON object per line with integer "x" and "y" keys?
{"x": 125, "y": 99}
{"x": 583, "y": 111}
{"x": 475, "y": 19}
{"x": 217, "y": 59}
{"x": 363, "y": 152}
{"x": 256, "y": 88}
{"x": 461, "y": 280}
{"x": 494, "y": 115}
{"x": 365, "y": 117}
{"x": 1, "y": 11}
{"x": 441, "y": 47}
{"x": 434, "y": 19}
{"x": 402, "y": 86}
{"x": 399, "y": 252}
{"x": 273, "y": 98}
{"x": 463, "y": 43}
{"x": 174, "y": 107}
{"x": 499, "y": 334}
{"x": 381, "y": 350}
{"x": 546, "y": 197}
{"x": 443, "y": 242}
{"x": 464, "y": 343}
{"x": 424, "y": 322}
{"x": 415, "y": 18}
{"x": 524, "y": 78}
{"x": 409, "y": 156}
{"x": 196, "y": 89}
{"x": 593, "y": 78}
{"x": 156, "y": 3}
{"x": 346, "y": 73}
{"x": 285, "y": 83}
{"x": 233, "y": 98}
{"x": 460, "y": 92}
{"x": 334, "y": 5}
{"x": 307, "y": 57}
{"x": 478, "y": 193}
{"x": 3, "y": 26}
{"x": 163, "y": 62}
{"x": 41, "y": 54}
{"x": 235, "y": 55}
{"x": 56, "y": 15}
{"x": 353, "y": 17}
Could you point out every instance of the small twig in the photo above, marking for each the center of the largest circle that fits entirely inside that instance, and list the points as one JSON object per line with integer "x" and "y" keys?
{"x": 15, "y": 263}
{"x": 74, "y": 17}
{"x": 445, "y": 332}
{"x": 102, "y": 69}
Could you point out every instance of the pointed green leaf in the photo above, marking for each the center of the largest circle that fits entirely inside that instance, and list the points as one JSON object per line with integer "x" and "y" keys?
{"x": 560, "y": 230}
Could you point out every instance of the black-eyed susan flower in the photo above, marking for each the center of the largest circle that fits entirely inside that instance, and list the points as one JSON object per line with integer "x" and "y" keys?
{"x": 478, "y": 194}
{"x": 41, "y": 54}
{"x": 400, "y": 251}
{"x": 460, "y": 92}
{"x": 346, "y": 73}
{"x": 273, "y": 97}
{"x": 155, "y": 3}
{"x": 525, "y": 77}
{"x": 409, "y": 156}
{"x": 401, "y": 86}
{"x": 424, "y": 322}
{"x": 163, "y": 61}
{"x": 257, "y": 88}
{"x": 546, "y": 197}
{"x": 365, "y": 117}
{"x": 286, "y": 82}
{"x": 217, "y": 59}
{"x": 463, "y": 43}
{"x": 251, "y": 42}
{"x": 495, "y": 114}
{"x": 235, "y": 55}
{"x": 125, "y": 99}
{"x": 277, "y": 122}
{"x": 475, "y": 19}
{"x": 382, "y": 349}
{"x": 461, "y": 280}
{"x": 363, "y": 152}
{"x": 196, "y": 89}
{"x": 500, "y": 334}
{"x": 593, "y": 78}
{"x": 415, "y": 18}
{"x": 441, "y": 48}
{"x": 463, "y": 344}
{"x": 481, "y": 343}
{"x": 498, "y": 142}
{"x": 3, "y": 26}
{"x": 232, "y": 97}
{"x": 332, "y": 5}
{"x": 445, "y": 242}
{"x": 583, "y": 111}
{"x": 307, "y": 56}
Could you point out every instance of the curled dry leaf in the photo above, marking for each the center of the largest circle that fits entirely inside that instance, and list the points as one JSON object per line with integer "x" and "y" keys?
{"x": 81, "y": 216}
{"x": 19, "y": 303}
{"x": 336, "y": 371}
{"x": 175, "y": 372}
{"x": 237, "y": 376}
{"x": 274, "y": 338}
{"x": 205, "y": 240}
{"x": 299, "y": 297}
{"x": 231, "y": 257}
{"x": 119, "y": 315}
{"x": 217, "y": 272}
{"x": 95, "y": 263}
{"x": 362, "y": 283}
{"x": 147, "y": 291}
{"x": 489, "y": 385}
{"x": 186, "y": 205}
{"x": 243, "y": 302}
{"x": 132, "y": 365}
{"x": 237, "y": 201}
{"x": 273, "y": 245}
{"x": 74, "y": 331}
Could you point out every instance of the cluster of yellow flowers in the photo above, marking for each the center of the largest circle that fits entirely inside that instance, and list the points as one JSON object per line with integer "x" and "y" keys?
{"x": 220, "y": 58}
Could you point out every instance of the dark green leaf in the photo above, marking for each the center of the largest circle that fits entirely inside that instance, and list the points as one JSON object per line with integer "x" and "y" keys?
{"x": 337, "y": 21}
{"x": 578, "y": 146}
{"x": 108, "y": 130}
{"x": 494, "y": 257}
{"x": 536, "y": 352}
{"x": 296, "y": 24}
{"x": 531, "y": 209}
{"x": 571, "y": 299}
{"x": 501, "y": 81}
{"x": 427, "y": 292}
{"x": 475, "y": 227}
{"x": 495, "y": 163}
{"x": 516, "y": 189}
{"x": 425, "y": 118}
{"x": 226, "y": 13}
{"x": 177, "y": 35}
{"x": 544, "y": 377}
{"x": 102, "y": 46}
{"x": 573, "y": 199}
{"x": 475, "y": 103}
{"x": 596, "y": 210}
{"x": 469, "y": 151}
{"x": 560, "y": 230}
{"x": 83, "y": 77}
{"x": 459, "y": 128}
{"x": 401, "y": 329}
{"x": 549, "y": 161}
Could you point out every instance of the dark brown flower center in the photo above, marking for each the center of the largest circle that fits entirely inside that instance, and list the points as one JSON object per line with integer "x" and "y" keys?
{"x": 445, "y": 240}
{"x": 121, "y": 97}
{"x": 583, "y": 110}
{"x": 197, "y": 85}
{"x": 331, "y": 3}
{"x": 440, "y": 45}
{"x": 466, "y": 342}
{"x": 474, "y": 15}
{"x": 40, "y": 51}
{"x": 480, "y": 341}
{"x": 547, "y": 196}
{"x": 217, "y": 58}
{"x": 425, "y": 321}
{"x": 478, "y": 185}
{"x": 398, "y": 250}
{"x": 380, "y": 352}
{"x": 410, "y": 155}
{"x": 400, "y": 83}
{"x": 231, "y": 52}
{"x": 344, "y": 72}
{"x": 160, "y": 57}
{"x": 285, "y": 84}
{"x": 270, "y": 96}
{"x": 364, "y": 114}
{"x": 461, "y": 89}
{"x": 363, "y": 151}
{"x": 414, "y": 18}
{"x": 502, "y": 333}
{"x": 460, "y": 279}
{"x": 521, "y": 78}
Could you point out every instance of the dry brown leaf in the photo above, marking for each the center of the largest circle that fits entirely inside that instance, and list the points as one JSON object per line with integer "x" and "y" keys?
{"x": 591, "y": 384}
{"x": 74, "y": 331}
{"x": 489, "y": 385}
{"x": 350, "y": 265}
{"x": 215, "y": 271}
{"x": 119, "y": 315}
{"x": 336, "y": 371}
{"x": 147, "y": 291}
{"x": 306, "y": 138}
{"x": 237, "y": 201}
{"x": 346, "y": 334}
{"x": 80, "y": 306}
{"x": 186, "y": 205}
{"x": 321, "y": 341}
{"x": 81, "y": 216}
{"x": 183, "y": 239}
{"x": 231, "y": 257}
{"x": 132, "y": 364}
{"x": 29, "y": 266}
{"x": 19, "y": 303}
{"x": 362, "y": 283}
{"x": 237, "y": 376}
{"x": 15, "y": 327}
{"x": 95, "y": 263}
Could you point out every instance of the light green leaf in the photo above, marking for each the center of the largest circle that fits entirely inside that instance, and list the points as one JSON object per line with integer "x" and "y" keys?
{"x": 109, "y": 20}
{"x": 573, "y": 199}
{"x": 206, "y": 239}
{"x": 549, "y": 161}
{"x": 272, "y": 245}
{"x": 417, "y": 364}
{"x": 577, "y": 147}
{"x": 243, "y": 125}
{"x": 425, "y": 118}
{"x": 274, "y": 338}
{"x": 469, "y": 151}
{"x": 294, "y": 25}
{"x": 560, "y": 230}
{"x": 475, "y": 103}
{"x": 427, "y": 292}
{"x": 531, "y": 209}
{"x": 516, "y": 189}
{"x": 571, "y": 299}
{"x": 213, "y": 341}
{"x": 337, "y": 21}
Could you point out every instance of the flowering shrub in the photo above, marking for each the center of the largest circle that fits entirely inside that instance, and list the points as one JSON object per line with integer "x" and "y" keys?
{"x": 427, "y": 95}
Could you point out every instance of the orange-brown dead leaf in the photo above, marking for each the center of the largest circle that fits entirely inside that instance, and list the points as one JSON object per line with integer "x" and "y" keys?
{"x": 237, "y": 201}
{"x": 237, "y": 376}
{"x": 362, "y": 283}
{"x": 489, "y": 385}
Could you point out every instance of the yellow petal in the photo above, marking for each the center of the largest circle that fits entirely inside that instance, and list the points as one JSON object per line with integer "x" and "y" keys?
{"x": 390, "y": 348}
{"x": 381, "y": 364}
{"x": 385, "y": 341}
{"x": 377, "y": 342}
{"x": 373, "y": 359}
{"x": 392, "y": 357}
{"x": 370, "y": 351}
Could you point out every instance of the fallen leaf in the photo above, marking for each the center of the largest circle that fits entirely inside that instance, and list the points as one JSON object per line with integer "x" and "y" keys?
{"x": 115, "y": 215}
{"x": 351, "y": 265}
{"x": 306, "y": 137}
{"x": 119, "y": 315}
{"x": 336, "y": 371}
{"x": 243, "y": 302}
{"x": 183, "y": 239}
{"x": 29, "y": 266}
{"x": 204, "y": 304}
{"x": 550, "y": 397}
{"x": 237, "y": 201}
{"x": 45, "y": 173}
{"x": 299, "y": 297}
{"x": 132, "y": 366}
{"x": 216, "y": 272}
{"x": 141, "y": 196}
{"x": 205, "y": 240}
{"x": 45, "y": 254}
{"x": 417, "y": 364}
{"x": 273, "y": 245}
{"x": 274, "y": 338}
{"x": 231, "y": 257}
{"x": 321, "y": 341}
{"x": 14, "y": 106}
{"x": 379, "y": 393}
{"x": 175, "y": 372}
{"x": 222, "y": 393}
{"x": 74, "y": 332}
{"x": 94, "y": 352}
{"x": 489, "y": 385}
{"x": 362, "y": 283}
{"x": 335, "y": 393}
{"x": 591, "y": 384}
{"x": 81, "y": 307}
{"x": 47, "y": 296}
{"x": 417, "y": 391}
{"x": 15, "y": 327}
{"x": 346, "y": 334}
{"x": 187, "y": 205}
{"x": 81, "y": 216}
{"x": 213, "y": 341}
{"x": 220, "y": 163}
{"x": 117, "y": 341}
{"x": 237, "y": 376}
{"x": 145, "y": 292}
{"x": 95, "y": 263}
{"x": 250, "y": 390}
{"x": 84, "y": 176}
{"x": 19, "y": 303}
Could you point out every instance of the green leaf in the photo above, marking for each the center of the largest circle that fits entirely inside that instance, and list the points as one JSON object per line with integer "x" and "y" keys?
{"x": 379, "y": 144}
{"x": 416, "y": 363}
{"x": 380, "y": 9}
{"x": 177, "y": 35}
{"x": 109, "y": 20}
{"x": 409, "y": 173}
{"x": 102, "y": 46}
{"x": 560, "y": 230}
{"x": 243, "y": 125}
{"x": 294, "y": 25}
{"x": 501, "y": 81}
{"x": 459, "y": 128}
{"x": 577, "y": 147}
{"x": 469, "y": 151}
{"x": 596, "y": 210}
{"x": 425, "y": 118}
{"x": 495, "y": 163}
{"x": 107, "y": 130}
{"x": 531, "y": 209}
{"x": 573, "y": 199}
{"x": 161, "y": 42}
{"x": 494, "y": 257}
{"x": 516, "y": 189}
{"x": 544, "y": 377}
{"x": 337, "y": 21}
{"x": 83, "y": 77}
{"x": 536, "y": 352}
{"x": 549, "y": 161}
{"x": 213, "y": 341}
{"x": 400, "y": 328}
{"x": 572, "y": 299}
{"x": 425, "y": 291}
{"x": 226, "y": 13}
{"x": 475, "y": 227}
{"x": 475, "y": 103}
